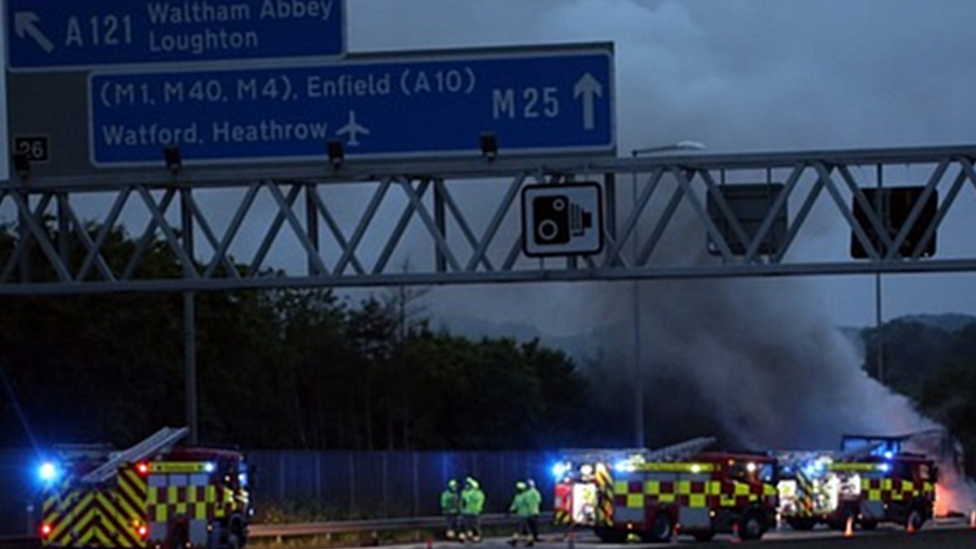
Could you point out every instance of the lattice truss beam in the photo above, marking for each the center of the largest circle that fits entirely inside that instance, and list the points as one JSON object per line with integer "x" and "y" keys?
{"x": 465, "y": 227}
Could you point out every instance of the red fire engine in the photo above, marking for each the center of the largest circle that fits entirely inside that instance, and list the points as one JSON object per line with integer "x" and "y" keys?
{"x": 870, "y": 482}
{"x": 152, "y": 495}
{"x": 655, "y": 495}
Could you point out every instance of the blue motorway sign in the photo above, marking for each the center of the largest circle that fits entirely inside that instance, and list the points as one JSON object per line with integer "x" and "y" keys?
{"x": 59, "y": 34}
{"x": 548, "y": 100}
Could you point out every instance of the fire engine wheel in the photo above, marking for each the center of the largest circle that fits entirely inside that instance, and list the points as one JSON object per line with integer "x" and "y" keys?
{"x": 233, "y": 540}
{"x": 178, "y": 538}
{"x": 662, "y": 529}
{"x": 611, "y": 535}
{"x": 235, "y": 534}
{"x": 753, "y": 526}
{"x": 915, "y": 520}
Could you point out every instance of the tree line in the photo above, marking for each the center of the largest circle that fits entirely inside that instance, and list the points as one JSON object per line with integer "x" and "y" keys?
{"x": 302, "y": 368}
{"x": 294, "y": 368}
{"x": 935, "y": 366}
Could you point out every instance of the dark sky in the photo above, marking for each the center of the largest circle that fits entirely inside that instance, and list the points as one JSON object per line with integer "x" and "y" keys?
{"x": 738, "y": 75}
{"x": 745, "y": 75}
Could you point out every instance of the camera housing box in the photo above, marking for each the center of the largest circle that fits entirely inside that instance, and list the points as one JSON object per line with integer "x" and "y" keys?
{"x": 562, "y": 219}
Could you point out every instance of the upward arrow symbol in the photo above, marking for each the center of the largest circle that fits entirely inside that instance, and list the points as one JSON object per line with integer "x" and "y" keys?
{"x": 588, "y": 87}
{"x": 25, "y": 24}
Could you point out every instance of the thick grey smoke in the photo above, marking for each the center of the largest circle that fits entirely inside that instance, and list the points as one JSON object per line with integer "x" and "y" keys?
{"x": 762, "y": 356}
{"x": 757, "y": 363}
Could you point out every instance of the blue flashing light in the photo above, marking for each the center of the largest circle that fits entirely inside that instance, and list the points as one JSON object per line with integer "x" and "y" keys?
{"x": 885, "y": 467}
{"x": 624, "y": 466}
{"x": 48, "y": 472}
{"x": 560, "y": 469}
{"x": 888, "y": 454}
{"x": 209, "y": 467}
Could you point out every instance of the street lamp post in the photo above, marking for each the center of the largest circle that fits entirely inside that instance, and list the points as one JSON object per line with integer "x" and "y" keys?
{"x": 639, "y": 440}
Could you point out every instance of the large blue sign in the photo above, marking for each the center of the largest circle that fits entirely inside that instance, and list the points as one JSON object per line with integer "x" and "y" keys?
{"x": 59, "y": 34}
{"x": 546, "y": 101}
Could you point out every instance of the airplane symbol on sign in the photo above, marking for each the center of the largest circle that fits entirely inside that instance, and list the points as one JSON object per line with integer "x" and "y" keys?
{"x": 353, "y": 130}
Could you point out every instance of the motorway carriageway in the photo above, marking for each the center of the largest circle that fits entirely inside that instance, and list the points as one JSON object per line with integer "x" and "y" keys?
{"x": 945, "y": 534}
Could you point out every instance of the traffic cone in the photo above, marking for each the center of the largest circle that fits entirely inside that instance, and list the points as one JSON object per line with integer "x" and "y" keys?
{"x": 849, "y": 529}
{"x": 735, "y": 533}
{"x": 910, "y": 527}
{"x": 972, "y": 520}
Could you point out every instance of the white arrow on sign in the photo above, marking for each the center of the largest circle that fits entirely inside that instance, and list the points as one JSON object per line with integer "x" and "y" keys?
{"x": 588, "y": 87}
{"x": 25, "y": 24}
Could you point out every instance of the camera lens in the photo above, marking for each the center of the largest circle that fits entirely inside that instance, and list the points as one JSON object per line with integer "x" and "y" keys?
{"x": 548, "y": 229}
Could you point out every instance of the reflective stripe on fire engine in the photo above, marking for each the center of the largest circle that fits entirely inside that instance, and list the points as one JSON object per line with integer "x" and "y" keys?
{"x": 194, "y": 502}
{"x": 844, "y": 466}
{"x": 605, "y": 492}
{"x": 886, "y": 489}
{"x": 107, "y": 516}
{"x": 669, "y": 467}
{"x": 178, "y": 467}
{"x": 696, "y": 492}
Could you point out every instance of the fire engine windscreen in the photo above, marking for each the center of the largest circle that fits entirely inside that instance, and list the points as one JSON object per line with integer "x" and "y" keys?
{"x": 755, "y": 362}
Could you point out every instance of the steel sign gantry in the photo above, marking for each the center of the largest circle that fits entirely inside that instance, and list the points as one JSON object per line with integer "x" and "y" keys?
{"x": 462, "y": 240}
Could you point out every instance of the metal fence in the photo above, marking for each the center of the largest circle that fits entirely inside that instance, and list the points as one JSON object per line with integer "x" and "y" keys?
{"x": 18, "y": 491}
{"x": 390, "y": 484}
{"x": 334, "y": 485}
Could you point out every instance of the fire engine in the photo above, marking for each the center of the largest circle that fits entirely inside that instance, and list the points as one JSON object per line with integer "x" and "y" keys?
{"x": 869, "y": 482}
{"x": 655, "y": 495}
{"x": 153, "y": 495}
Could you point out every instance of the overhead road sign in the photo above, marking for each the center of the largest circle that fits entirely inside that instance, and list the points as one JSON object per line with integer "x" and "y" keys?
{"x": 430, "y": 106}
{"x": 892, "y": 206}
{"x": 749, "y": 205}
{"x": 58, "y": 35}
{"x": 562, "y": 219}
{"x": 544, "y": 101}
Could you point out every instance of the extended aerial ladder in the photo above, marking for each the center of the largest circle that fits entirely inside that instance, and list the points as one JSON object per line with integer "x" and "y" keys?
{"x": 160, "y": 441}
{"x": 611, "y": 455}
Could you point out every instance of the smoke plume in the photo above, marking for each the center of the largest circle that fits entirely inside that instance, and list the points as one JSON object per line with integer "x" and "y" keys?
{"x": 758, "y": 363}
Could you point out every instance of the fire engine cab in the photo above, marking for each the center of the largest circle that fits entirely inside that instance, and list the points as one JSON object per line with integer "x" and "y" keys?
{"x": 870, "y": 481}
{"x": 655, "y": 495}
{"x": 153, "y": 495}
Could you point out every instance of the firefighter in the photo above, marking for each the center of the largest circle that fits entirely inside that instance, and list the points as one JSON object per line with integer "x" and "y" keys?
{"x": 450, "y": 507}
{"x": 472, "y": 504}
{"x": 520, "y": 507}
{"x": 533, "y": 500}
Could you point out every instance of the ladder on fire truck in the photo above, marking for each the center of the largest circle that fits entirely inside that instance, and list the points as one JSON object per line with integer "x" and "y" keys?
{"x": 161, "y": 440}
{"x": 678, "y": 451}
{"x": 673, "y": 452}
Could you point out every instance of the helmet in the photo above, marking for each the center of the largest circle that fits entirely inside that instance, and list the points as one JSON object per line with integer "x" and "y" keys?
{"x": 531, "y": 483}
{"x": 471, "y": 482}
{"x": 520, "y": 486}
{"x": 452, "y": 484}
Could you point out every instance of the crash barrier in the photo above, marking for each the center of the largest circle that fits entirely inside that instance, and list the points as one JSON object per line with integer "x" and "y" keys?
{"x": 382, "y": 525}
{"x": 18, "y": 542}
